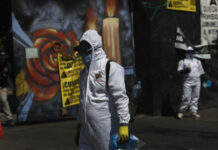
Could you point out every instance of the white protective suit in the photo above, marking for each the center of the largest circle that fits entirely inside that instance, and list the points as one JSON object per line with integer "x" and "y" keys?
{"x": 191, "y": 84}
{"x": 101, "y": 110}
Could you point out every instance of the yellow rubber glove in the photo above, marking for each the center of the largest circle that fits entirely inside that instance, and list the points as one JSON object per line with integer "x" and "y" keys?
{"x": 123, "y": 135}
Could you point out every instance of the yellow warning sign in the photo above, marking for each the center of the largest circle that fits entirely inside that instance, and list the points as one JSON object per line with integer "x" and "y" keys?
{"x": 69, "y": 92}
{"x": 182, "y": 5}
{"x": 69, "y": 70}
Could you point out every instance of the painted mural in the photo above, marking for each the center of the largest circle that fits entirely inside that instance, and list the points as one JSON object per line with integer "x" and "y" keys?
{"x": 37, "y": 25}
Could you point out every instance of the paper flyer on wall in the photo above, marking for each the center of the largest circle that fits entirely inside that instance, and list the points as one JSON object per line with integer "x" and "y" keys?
{"x": 69, "y": 70}
{"x": 209, "y": 21}
{"x": 182, "y": 5}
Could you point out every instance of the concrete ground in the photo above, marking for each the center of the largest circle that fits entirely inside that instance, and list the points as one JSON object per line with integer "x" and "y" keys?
{"x": 159, "y": 133}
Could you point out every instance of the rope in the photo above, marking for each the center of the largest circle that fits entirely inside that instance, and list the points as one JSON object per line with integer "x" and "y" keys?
{"x": 149, "y": 5}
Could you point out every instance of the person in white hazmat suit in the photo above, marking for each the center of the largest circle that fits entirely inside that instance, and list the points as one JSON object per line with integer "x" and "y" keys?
{"x": 192, "y": 70}
{"x": 103, "y": 111}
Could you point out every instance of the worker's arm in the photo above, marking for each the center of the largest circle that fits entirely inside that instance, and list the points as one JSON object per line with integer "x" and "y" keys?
{"x": 118, "y": 91}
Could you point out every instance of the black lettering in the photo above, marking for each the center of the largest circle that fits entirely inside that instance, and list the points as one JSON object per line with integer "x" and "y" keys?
{"x": 209, "y": 24}
{"x": 210, "y": 16}
{"x": 209, "y": 9}
{"x": 213, "y": 31}
{"x": 65, "y": 85}
{"x": 213, "y": 2}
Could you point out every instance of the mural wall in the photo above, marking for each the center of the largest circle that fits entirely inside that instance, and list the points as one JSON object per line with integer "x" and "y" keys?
{"x": 38, "y": 24}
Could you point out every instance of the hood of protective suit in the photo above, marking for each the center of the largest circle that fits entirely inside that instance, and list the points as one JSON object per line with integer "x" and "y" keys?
{"x": 95, "y": 40}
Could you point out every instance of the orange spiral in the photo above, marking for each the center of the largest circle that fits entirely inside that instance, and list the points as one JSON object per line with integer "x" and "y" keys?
{"x": 43, "y": 74}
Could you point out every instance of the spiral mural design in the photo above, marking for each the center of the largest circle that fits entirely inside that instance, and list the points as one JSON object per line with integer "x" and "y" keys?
{"x": 43, "y": 74}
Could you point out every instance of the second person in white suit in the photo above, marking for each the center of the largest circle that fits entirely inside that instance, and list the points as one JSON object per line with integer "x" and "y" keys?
{"x": 192, "y": 69}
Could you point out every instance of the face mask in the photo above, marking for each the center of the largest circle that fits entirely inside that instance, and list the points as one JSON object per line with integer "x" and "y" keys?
{"x": 190, "y": 56}
{"x": 87, "y": 59}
